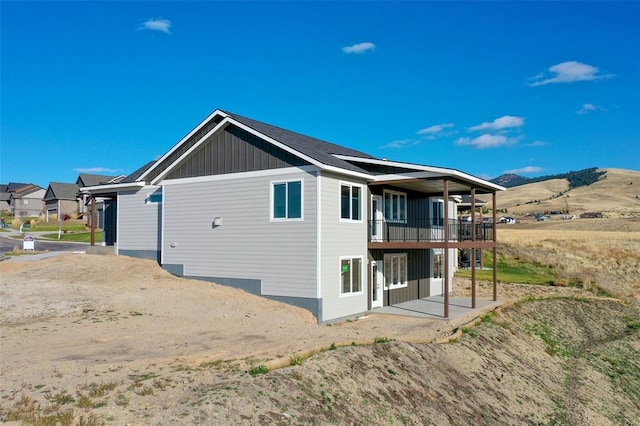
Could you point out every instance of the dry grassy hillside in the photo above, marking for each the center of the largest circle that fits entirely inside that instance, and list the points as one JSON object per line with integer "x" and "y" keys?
{"x": 617, "y": 194}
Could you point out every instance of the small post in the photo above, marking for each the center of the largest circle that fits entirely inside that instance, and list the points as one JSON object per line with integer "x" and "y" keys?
{"x": 93, "y": 221}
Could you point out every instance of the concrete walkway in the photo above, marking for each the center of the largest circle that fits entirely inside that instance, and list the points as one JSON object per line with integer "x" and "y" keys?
{"x": 433, "y": 308}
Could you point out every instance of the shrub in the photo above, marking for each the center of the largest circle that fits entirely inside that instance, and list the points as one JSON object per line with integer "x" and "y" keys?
{"x": 259, "y": 369}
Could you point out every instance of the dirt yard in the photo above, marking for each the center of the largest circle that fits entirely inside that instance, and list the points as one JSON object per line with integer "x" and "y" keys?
{"x": 101, "y": 339}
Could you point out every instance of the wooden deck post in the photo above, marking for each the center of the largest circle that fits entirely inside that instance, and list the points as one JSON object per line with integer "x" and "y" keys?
{"x": 93, "y": 220}
{"x": 495, "y": 249}
{"x": 472, "y": 260}
{"x": 446, "y": 248}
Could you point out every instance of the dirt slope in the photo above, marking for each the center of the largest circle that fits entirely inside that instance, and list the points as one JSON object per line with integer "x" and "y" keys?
{"x": 118, "y": 340}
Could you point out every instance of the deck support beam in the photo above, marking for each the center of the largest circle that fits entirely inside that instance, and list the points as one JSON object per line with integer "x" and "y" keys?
{"x": 472, "y": 260}
{"x": 93, "y": 221}
{"x": 495, "y": 249}
{"x": 446, "y": 248}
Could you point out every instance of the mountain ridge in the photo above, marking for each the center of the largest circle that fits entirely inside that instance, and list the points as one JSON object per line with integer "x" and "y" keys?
{"x": 576, "y": 178}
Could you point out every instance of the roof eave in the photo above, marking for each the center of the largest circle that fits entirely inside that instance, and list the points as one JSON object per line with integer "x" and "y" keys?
{"x": 435, "y": 171}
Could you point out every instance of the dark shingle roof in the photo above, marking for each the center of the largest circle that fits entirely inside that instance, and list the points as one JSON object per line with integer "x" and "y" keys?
{"x": 135, "y": 175}
{"x": 14, "y": 186}
{"x": 317, "y": 149}
{"x": 62, "y": 191}
{"x": 85, "y": 179}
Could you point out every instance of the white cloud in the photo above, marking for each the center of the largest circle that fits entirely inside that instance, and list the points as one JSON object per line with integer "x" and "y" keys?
{"x": 487, "y": 141}
{"x": 161, "y": 25}
{"x": 524, "y": 170}
{"x": 505, "y": 122}
{"x": 568, "y": 72}
{"x": 402, "y": 143}
{"x": 359, "y": 47}
{"x": 433, "y": 130}
{"x": 537, "y": 143}
{"x": 587, "y": 108}
{"x": 94, "y": 170}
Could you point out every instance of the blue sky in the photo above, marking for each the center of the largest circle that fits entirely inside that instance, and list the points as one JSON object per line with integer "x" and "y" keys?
{"x": 533, "y": 88}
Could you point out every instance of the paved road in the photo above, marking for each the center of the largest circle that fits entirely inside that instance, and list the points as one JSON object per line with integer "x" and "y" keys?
{"x": 7, "y": 244}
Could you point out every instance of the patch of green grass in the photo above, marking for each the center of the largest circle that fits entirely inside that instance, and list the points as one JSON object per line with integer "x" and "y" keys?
{"x": 259, "y": 369}
{"x": 78, "y": 237}
{"x": 381, "y": 340}
{"x": 54, "y": 226}
{"x": 512, "y": 270}
{"x": 19, "y": 252}
{"x": 554, "y": 343}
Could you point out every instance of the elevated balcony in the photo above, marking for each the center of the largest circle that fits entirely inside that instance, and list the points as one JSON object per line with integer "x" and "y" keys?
{"x": 426, "y": 233}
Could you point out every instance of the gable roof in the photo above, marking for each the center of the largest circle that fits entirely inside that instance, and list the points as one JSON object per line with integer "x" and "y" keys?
{"x": 316, "y": 151}
{"x": 14, "y": 186}
{"x": 86, "y": 179}
{"x": 61, "y": 191}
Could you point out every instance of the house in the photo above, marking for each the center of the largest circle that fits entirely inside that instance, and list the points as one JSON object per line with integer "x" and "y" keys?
{"x": 61, "y": 201}
{"x": 293, "y": 218}
{"x": 25, "y": 200}
{"x": 86, "y": 179}
{"x": 5, "y": 204}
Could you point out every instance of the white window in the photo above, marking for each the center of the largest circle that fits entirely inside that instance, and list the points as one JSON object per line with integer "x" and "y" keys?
{"x": 351, "y": 275}
{"x": 286, "y": 200}
{"x": 350, "y": 202}
{"x": 395, "y": 270}
{"x": 25, "y": 201}
{"x": 395, "y": 206}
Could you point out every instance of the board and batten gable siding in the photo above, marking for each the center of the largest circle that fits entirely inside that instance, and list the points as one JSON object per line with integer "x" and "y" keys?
{"x": 184, "y": 147}
{"x": 247, "y": 244}
{"x": 341, "y": 239}
{"x": 139, "y": 222}
{"x": 234, "y": 150}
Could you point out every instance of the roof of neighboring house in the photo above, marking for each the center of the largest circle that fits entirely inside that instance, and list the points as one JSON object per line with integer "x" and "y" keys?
{"x": 86, "y": 179}
{"x": 61, "y": 191}
{"x": 25, "y": 190}
{"x": 14, "y": 186}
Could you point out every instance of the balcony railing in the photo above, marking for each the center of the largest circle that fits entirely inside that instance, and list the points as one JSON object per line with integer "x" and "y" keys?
{"x": 428, "y": 231}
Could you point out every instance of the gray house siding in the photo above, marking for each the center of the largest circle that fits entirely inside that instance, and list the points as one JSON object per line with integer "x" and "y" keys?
{"x": 247, "y": 249}
{"x": 234, "y": 150}
{"x": 139, "y": 220}
{"x": 341, "y": 239}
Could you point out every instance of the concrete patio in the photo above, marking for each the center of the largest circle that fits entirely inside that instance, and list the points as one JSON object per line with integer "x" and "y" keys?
{"x": 433, "y": 308}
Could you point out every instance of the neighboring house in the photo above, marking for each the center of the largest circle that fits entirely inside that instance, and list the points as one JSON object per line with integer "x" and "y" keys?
{"x": 26, "y": 199}
{"x": 5, "y": 204}
{"x": 86, "y": 179}
{"x": 293, "y": 218}
{"x": 61, "y": 201}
